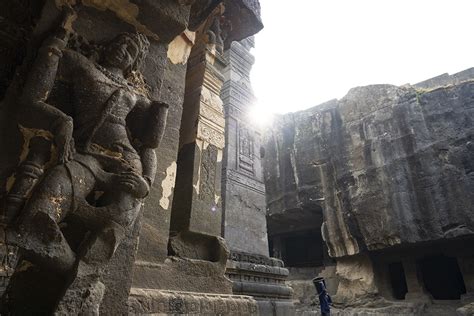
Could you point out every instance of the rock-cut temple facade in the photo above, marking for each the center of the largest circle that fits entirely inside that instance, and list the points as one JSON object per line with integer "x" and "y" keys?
{"x": 375, "y": 193}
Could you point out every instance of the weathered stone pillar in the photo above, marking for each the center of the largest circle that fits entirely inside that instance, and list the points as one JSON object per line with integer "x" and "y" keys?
{"x": 466, "y": 264}
{"x": 245, "y": 229}
{"x": 244, "y": 191}
{"x": 191, "y": 277}
{"x": 416, "y": 288}
{"x": 277, "y": 247}
{"x": 197, "y": 206}
{"x": 356, "y": 280}
{"x": 196, "y": 250}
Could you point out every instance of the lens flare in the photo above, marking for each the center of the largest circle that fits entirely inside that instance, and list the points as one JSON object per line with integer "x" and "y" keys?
{"x": 260, "y": 117}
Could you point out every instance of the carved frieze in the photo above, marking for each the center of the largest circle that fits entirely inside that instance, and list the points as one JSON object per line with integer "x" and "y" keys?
{"x": 210, "y": 97}
{"x": 255, "y": 259}
{"x": 212, "y": 116}
{"x": 211, "y": 135}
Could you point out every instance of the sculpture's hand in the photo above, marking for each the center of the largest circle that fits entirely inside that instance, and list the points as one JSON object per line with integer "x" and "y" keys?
{"x": 133, "y": 183}
{"x": 64, "y": 141}
{"x": 68, "y": 16}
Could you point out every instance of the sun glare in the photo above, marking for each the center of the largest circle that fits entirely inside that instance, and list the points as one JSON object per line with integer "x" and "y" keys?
{"x": 347, "y": 43}
{"x": 260, "y": 116}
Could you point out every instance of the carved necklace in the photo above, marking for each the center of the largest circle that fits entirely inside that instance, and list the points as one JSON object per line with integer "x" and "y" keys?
{"x": 116, "y": 79}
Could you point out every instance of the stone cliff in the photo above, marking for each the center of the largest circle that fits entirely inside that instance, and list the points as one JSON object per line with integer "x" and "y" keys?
{"x": 387, "y": 165}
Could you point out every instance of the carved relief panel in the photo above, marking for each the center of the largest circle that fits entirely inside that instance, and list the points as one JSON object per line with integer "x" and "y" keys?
{"x": 208, "y": 174}
{"x": 246, "y": 149}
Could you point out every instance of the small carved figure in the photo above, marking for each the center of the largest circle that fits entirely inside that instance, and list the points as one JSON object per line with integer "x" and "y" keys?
{"x": 104, "y": 128}
{"x": 215, "y": 35}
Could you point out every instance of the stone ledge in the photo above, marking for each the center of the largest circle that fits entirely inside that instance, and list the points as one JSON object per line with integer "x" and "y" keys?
{"x": 262, "y": 289}
{"x": 276, "y": 272}
{"x": 150, "y": 301}
{"x": 241, "y": 256}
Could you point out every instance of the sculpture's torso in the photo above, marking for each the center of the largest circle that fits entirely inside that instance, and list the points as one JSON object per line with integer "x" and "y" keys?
{"x": 100, "y": 106}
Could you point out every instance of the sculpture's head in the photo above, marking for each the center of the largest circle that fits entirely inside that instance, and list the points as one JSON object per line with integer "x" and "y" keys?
{"x": 127, "y": 51}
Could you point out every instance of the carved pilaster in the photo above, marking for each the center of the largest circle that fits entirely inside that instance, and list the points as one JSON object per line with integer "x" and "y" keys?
{"x": 202, "y": 141}
{"x": 249, "y": 268}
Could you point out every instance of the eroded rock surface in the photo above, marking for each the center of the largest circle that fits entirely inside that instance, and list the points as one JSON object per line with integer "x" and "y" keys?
{"x": 389, "y": 165}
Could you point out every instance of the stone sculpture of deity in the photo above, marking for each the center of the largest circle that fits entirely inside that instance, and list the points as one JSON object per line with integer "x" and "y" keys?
{"x": 91, "y": 132}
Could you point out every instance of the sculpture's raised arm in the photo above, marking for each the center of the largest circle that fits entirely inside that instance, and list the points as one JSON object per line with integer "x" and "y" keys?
{"x": 38, "y": 85}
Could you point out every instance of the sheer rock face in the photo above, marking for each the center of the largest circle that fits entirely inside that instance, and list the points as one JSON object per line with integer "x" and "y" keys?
{"x": 389, "y": 165}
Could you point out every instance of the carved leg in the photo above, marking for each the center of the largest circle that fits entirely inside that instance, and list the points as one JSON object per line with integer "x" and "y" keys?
{"x": 47, "y": 257}
{"x": 86, "y": 291}
{"x": 26, "y": 177}
{"x": 38, "y": 233}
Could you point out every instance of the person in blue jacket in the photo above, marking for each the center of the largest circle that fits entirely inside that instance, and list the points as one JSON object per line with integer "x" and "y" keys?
{"x": 325, "y": 301}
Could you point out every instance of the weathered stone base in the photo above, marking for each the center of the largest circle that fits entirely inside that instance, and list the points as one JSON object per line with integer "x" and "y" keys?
{"x": 181, "y": 274}
{"x": 264, "y": 279}
{"x": 150, "y": 301}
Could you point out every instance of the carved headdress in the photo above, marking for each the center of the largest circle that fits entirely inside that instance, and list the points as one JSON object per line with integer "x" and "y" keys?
{"x": 143, "y": 45}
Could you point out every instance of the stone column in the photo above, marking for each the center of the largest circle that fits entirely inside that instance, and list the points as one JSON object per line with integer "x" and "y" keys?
{"x": 466, "y": 264}
{"x": 277, "y": 247}
{"x": 244, "y": 226}
{"x": 416, "y": 288}
{"x": 197, "y": 206}
{"x": 192, "y": 278}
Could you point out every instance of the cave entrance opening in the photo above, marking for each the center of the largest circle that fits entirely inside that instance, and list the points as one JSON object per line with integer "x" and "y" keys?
{"x": 442, "y": 277}
{"x": 295, "y": 237}
{"x": 302, "y": 249}
{"x": 398, "y": 280}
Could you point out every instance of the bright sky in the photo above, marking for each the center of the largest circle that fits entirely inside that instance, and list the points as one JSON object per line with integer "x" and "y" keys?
{"x": 311, "y": 51}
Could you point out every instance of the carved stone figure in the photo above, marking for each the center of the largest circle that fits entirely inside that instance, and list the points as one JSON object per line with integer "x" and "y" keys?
{"x": 94, "y": 114}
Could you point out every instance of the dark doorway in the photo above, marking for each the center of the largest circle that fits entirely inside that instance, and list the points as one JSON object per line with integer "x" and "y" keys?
{"x": 398, "y": 280}
{"x": 442, "y": 277}
{"x": 303, "y": 249}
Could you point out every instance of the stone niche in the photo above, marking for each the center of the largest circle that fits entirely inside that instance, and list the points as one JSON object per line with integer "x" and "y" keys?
{"x": 92, "y": 106}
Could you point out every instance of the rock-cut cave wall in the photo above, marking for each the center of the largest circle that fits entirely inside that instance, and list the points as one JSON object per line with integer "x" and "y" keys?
{"x": 388, "y": 165}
